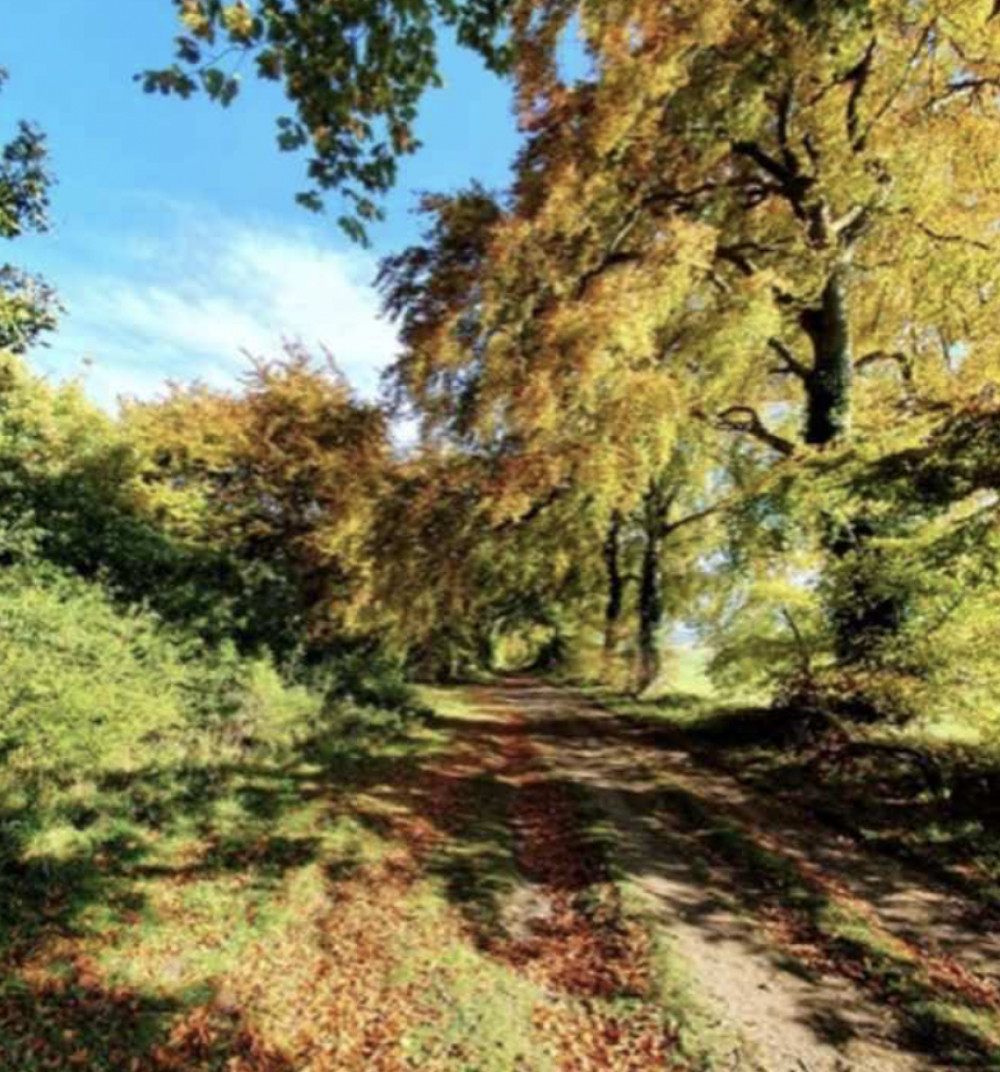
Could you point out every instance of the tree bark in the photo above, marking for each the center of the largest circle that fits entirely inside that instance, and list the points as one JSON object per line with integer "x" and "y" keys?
{"x": 651, "y": 589}
{"x": 829, "y": 383}
{"x": 866, "y": 614}
{"x": 616, "y": 587}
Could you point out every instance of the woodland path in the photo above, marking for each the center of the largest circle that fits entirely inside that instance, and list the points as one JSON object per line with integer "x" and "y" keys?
{"x": 524, "y": 883}
{"x": 780, "y": 1001}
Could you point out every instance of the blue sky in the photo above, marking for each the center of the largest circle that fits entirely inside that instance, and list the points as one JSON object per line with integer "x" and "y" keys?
{"x": 176, "y": 242}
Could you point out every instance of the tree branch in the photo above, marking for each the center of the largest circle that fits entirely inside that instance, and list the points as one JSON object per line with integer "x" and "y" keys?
{"x": 880, "y": 113}
{"x": 804, "y": 657}
{"x": 609, "y": 261}
{"x": 783, "y": 106}
{"x": 671, "y": 527}
{"x": 966, "y": 85}
{"x": 793, "y": 185}
{"x": 858, "y": 77}
{"x": 752, "y": 151}
{"x": 937, "y": 236}
{"x": 534, "y": 510}
{"x": 792, "y": 365}
{"x": 752, "y": 425}
{"x": 897, "y": 357}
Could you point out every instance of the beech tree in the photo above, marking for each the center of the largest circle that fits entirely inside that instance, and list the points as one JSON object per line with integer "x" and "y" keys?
{"x": 775, "y": 219}
{"x": 285, "y": 475}
{"x": 829, "y": 168}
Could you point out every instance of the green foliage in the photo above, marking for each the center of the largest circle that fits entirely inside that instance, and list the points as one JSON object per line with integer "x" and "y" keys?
{"x": 83, "y": 685}
{"x": 353, "y": 72}
{"x": 86, "y": 685}
{"x": 366, "y": 677}
{"x": 28, "y": 305}
{"x": 128, "y": 643}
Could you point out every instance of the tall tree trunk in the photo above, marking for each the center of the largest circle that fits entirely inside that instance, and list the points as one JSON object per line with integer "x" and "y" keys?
{"x": 867, "y": 606}
{"x": 866, "y": 613}
{"x": 616, "y": 588}
{"x": 829, "y": 384}
{"x": 485, "y": 645}
{"x": 651, "y": 589}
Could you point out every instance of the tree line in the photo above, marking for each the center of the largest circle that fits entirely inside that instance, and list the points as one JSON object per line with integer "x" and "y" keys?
{"x": 723, "y": 355}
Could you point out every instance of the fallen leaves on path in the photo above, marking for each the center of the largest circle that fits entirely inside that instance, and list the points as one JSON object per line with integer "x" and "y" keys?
{"x": 582, "y": 948}
{"x": 326, "y": 992}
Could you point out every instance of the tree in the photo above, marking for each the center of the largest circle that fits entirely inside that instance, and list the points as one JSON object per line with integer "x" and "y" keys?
{"x": 353, "y": 72}
{"x": 282, "y": 477}
{"x": 757, "y": 215}
{"x": 456, "y": 583}
{"x": 844, "y": 233}
{"x": 27, "y": 304}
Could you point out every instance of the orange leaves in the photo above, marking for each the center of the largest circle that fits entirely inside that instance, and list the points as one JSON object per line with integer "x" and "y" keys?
{"x": 285, "y": 472}
{"x": 359, "y": 972}
{"x": 575, "y": 942}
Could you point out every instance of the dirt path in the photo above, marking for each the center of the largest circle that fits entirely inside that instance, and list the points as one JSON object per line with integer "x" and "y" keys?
{"x": 780, "y": 1020}
{"x": 466, "y": 916}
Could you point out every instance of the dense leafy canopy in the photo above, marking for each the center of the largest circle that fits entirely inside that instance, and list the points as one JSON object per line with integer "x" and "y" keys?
{"x": 718, "y": 368}
{"x": 753, "y": 232}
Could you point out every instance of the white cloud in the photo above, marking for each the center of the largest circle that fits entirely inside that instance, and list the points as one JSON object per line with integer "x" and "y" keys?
{"x": 186, "y": 304}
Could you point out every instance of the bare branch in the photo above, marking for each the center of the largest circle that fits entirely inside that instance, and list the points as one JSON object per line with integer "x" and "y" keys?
{"x": 783, "y": 106}
{"x": 737, "y": 255}
{"x": 792, "y": 365}
{"x": 966, "y": 85}
{"x": 850, "y": 219}
{"x": 751, "y": 424}
{"x": 536, "y": 508}
{"x": 937, "y": 236}
{"x": 800, "y": 643}
{"x": 897, "y": 357}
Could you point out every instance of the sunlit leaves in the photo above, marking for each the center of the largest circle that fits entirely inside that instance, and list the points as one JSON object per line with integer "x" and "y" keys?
{"x": 354, "y": 73}
{"x": 28, "y": 306}
{"x": 287, "y": 472}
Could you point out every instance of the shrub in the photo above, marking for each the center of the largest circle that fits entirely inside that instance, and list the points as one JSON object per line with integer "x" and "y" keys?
{"x": 83, "y": 683}
{"x": 368, "y": 678}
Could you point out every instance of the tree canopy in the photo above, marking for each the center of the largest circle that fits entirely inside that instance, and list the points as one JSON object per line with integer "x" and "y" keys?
{"x": 27, "y": 304}
{"x": 354, "y": 74}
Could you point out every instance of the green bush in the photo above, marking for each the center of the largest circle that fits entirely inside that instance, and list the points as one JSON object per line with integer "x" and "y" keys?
{"x": 84, "y": 684}
{"x": 369, "y": 679}
{"x": 89, "y": 686}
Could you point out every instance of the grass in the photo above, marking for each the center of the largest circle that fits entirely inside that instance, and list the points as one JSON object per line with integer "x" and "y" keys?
{"x": 253, "y": 909}
{"x": 128, "y": 906}
{"x": 480, "y": 1015}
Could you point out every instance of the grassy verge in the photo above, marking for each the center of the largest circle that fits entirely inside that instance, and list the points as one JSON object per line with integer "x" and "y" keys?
{"x": 144, "y": 893}
{"x": 916, "y": 793}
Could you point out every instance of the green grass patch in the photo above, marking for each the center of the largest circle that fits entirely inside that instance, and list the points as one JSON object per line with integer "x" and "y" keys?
{"x": 480, "y": 1012}
{"x": 128, "y": 897}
